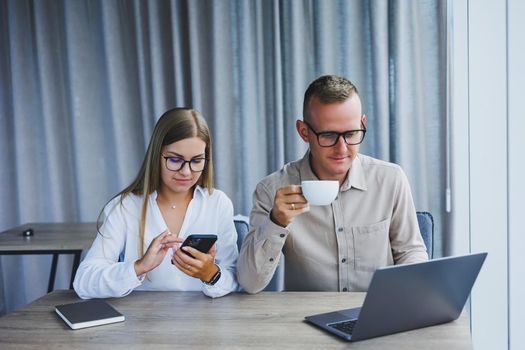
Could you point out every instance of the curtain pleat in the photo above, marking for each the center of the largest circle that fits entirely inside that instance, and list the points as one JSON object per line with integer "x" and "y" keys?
{"x": 83, "y": 83}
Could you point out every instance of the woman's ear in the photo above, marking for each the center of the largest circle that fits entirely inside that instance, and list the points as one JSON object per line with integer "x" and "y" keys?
{"x": 302, "y": 129}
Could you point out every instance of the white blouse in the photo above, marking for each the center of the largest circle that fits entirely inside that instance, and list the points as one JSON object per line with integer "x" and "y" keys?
{"x": 102, "y": 275}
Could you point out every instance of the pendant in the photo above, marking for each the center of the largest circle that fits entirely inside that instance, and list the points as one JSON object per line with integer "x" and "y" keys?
{"x": 173, "y": 206}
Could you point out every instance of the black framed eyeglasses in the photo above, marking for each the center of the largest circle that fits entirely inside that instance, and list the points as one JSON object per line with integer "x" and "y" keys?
{"x": 330, "y": 138}
{"x": 177, "y": 163}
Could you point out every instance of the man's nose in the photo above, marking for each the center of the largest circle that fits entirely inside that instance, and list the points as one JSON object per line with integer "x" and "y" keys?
{"x": 340, "y": 144}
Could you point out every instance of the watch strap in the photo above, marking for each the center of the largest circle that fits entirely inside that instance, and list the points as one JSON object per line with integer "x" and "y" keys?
{"x": 215, "y": 277}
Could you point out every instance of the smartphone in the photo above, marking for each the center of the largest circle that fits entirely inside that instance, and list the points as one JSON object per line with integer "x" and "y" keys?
{"x": 201, "y": 242}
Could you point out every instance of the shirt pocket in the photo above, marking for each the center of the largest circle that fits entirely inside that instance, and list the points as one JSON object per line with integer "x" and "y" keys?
{"x": 372, "y": 246}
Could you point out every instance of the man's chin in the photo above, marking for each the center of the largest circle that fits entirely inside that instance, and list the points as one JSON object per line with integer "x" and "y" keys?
{"x": 341, "y": 163}
{"x": 339, "y": 170}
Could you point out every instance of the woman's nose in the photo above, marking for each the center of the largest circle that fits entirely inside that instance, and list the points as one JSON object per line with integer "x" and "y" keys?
{"x": 185, "y": 170}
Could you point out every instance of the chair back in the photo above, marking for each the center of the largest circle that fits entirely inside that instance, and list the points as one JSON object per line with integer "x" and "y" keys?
{"x": 242, "y": 226}
{"x": 426, "y": 226}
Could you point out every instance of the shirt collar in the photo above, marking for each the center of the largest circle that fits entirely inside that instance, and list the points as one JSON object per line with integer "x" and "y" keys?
{"x": 305, "y": 170}
{"x": 355, "y": 178}
{"x": 199, "y": 190}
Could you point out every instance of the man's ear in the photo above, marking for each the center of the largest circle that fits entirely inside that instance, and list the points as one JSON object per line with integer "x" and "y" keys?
{"x": 302, "y": 129}
{"x": 363, "y": 119}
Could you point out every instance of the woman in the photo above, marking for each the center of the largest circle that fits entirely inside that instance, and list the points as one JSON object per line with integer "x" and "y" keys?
{"x": 171, "y": 198}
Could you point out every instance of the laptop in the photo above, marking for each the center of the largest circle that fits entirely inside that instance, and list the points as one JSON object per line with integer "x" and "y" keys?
{"x": 406, "y": 297}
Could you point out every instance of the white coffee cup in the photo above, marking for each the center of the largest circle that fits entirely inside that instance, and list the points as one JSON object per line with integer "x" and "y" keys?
{"x": 321, "y": 192}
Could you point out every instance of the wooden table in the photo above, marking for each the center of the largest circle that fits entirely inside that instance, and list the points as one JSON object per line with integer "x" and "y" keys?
{"x": 190, "y": 320}
{"x": 50, "y": 238}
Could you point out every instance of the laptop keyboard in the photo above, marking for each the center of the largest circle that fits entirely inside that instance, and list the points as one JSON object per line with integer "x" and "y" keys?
{"x": 344, "y": 326}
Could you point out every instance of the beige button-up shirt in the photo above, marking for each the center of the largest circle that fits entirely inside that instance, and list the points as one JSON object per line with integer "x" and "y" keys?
{"x": 337, "y": 247}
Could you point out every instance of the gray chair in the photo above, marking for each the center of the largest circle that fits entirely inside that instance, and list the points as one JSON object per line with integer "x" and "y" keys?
{"x": 277, "y": 282}
{"x": 426, "y": 226}
{"x": 242, "y": 227}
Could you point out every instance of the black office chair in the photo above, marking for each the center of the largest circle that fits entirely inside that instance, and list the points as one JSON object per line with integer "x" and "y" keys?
{"x": 426, "y": 226}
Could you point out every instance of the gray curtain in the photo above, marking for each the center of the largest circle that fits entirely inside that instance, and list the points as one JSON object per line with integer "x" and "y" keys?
{"x": 83, "y": 82}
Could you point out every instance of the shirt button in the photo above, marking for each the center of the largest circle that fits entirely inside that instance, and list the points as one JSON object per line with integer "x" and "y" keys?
{"x": 340, "y": 229}
{"x": 345, "y": 289}
{"x": 281, "y": 235}
{"x": 271, "y": 259}
{"x": 343, "y": 261}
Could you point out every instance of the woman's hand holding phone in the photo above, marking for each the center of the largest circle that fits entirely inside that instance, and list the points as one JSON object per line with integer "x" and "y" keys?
{"x": 156, "y": 252}
{"x": 195, "y": 263}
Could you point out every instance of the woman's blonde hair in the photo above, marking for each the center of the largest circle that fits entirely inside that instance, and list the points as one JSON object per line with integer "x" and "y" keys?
{"x": 174, "y": 125}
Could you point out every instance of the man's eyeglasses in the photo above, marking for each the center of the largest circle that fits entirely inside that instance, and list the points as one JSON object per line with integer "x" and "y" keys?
{"x": 330, "y": 138}
{"x": 177, "y": 163}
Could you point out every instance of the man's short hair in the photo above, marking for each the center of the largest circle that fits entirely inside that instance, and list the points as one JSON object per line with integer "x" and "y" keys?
{"x": 328, "y": 89}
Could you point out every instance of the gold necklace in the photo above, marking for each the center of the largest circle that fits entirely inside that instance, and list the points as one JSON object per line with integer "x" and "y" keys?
{"x": 170, "y": 205}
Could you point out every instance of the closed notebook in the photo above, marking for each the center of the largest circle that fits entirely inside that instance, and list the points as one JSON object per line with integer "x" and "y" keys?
{"x": 94, "y": 312}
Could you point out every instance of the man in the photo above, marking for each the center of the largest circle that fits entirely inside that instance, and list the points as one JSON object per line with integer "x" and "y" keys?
{"x": 337, "y": 247}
